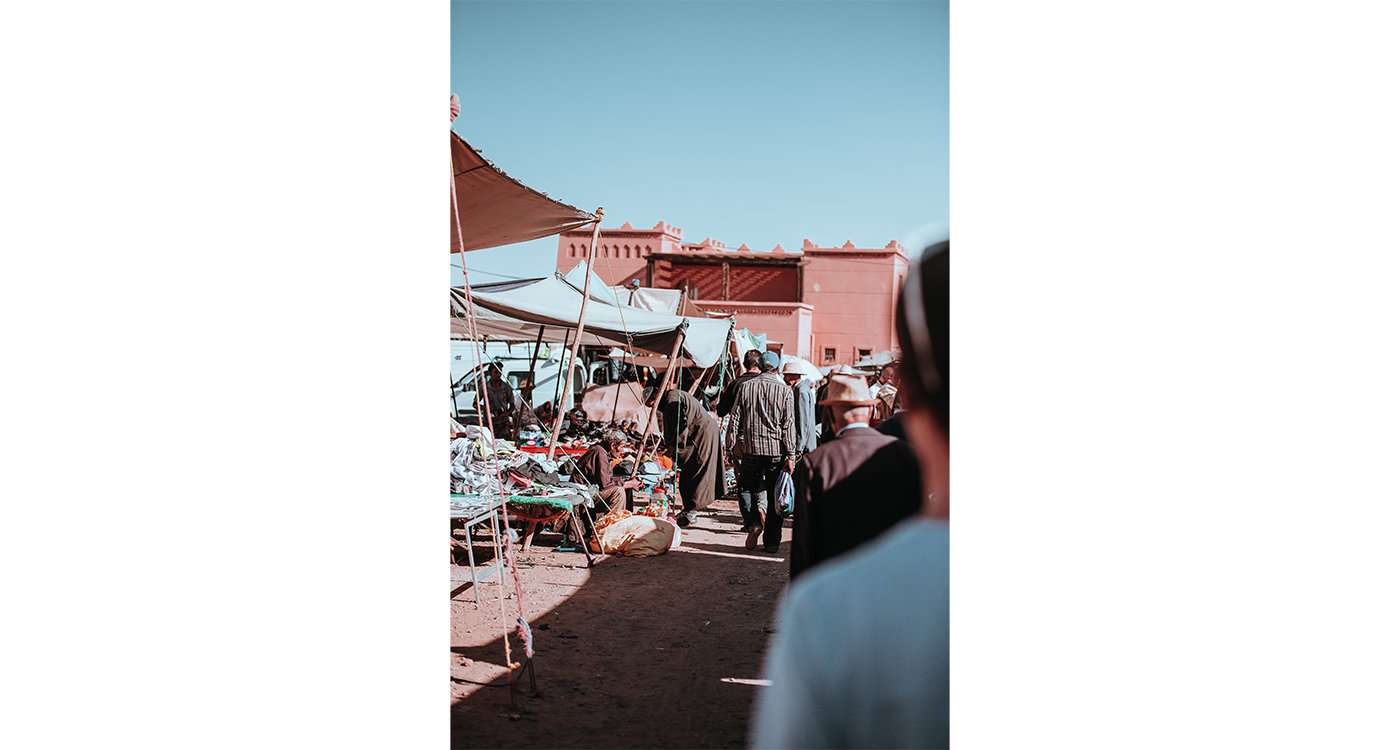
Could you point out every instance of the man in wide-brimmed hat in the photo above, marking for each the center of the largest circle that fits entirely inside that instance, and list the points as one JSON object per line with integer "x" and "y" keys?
{"x": 804, "y": 407}
{"x": 825, "y": 434}
{"x": 853, "y": 488}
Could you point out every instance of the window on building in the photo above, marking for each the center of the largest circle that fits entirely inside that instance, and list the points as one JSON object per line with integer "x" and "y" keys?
{"x": 862, "y": 352}
{"x": 828, "y": 355}
{"x": 573, "y": 252}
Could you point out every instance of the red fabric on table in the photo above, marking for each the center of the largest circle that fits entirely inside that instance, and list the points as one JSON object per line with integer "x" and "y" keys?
{"x": 557, "y": 449}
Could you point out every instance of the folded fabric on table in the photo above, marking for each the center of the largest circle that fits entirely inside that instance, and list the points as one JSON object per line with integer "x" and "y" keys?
{"x": 564, "y": 502}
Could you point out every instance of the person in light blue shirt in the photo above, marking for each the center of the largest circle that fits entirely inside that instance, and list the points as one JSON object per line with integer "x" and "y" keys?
{"x": 860, "y": 652}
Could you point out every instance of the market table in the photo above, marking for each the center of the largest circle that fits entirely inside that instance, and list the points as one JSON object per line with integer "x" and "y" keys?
{"x": 472, "y": 510}
{"x": 535, "y": 510}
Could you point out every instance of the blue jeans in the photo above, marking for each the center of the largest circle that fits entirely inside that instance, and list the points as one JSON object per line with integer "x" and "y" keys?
{"x": 757, "y": 477}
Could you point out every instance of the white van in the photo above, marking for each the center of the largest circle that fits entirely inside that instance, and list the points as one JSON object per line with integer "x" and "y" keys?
{"x": 514, "y": 362}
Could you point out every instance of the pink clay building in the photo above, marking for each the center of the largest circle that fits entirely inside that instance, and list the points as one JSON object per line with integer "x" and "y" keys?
{"x": 828, "y": 305}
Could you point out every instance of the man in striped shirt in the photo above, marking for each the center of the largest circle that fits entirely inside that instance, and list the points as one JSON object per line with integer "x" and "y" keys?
{"x": 761, "y": 444}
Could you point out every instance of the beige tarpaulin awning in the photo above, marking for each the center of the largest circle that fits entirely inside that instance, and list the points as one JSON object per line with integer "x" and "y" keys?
{"x": 497, "y": 210}
{"x": 601, "y": 402}
{"x": 654, "y": 361}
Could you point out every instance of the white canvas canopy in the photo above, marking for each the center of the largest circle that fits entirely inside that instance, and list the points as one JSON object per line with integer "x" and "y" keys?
{"x": 597, "y": 289}
{"x": 671, "y": 301}
{"x": 516, "y": 311}
{"x": 647, "y": 298}
{"x": 746, "y": 340}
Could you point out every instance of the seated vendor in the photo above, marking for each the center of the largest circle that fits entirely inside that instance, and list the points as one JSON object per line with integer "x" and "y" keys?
{"x": 545, "y": 413}
{"x": 597, "y": 468}
{"x": 577, "y": 423}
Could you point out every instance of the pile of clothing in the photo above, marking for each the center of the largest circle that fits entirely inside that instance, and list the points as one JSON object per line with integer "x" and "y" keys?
{"x": 482, "y": 465}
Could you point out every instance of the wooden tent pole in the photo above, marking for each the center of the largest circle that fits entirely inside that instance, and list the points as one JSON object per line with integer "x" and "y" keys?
{"x": 558, "y": 398}
{"x": 481, "y": 406}
{"x": 578, "y": 333}
{"x": 617, "y": 396}
{"x": 696, "y": 383}
{"x": 527, "y": 404}
{"x": 665, "y": 384}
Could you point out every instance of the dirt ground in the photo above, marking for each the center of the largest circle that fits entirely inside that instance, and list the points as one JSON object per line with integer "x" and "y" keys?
{"x": 650, "y": 652}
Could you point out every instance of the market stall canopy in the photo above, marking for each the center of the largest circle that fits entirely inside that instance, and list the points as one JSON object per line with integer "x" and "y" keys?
{"x": 516, "y": 314}
{"x": 671, "y": 301}
{"x": 493, "y": 326}
{"x": 596, "y": 289}
{"x": 745, "y": 340}
{"x": 647, "y": 298}
{"x": 876, "y": 361}
{"x": 495, "y": 209}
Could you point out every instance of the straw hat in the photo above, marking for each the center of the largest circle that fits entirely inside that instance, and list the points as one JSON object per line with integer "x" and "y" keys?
{"x": 792, "y": 368}
{"x": 847, "y": 390}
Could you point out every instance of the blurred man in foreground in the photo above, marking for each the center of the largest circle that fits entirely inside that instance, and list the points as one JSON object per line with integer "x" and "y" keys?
{"x": 860, "y": 653}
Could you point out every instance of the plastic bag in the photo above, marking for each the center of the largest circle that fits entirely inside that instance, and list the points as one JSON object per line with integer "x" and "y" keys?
{"x": 785, "y": 493}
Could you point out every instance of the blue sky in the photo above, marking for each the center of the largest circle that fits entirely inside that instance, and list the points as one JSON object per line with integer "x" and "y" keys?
{"x": 748, "y": 122}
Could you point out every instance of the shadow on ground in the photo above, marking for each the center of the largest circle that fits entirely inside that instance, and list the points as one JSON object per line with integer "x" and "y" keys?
{"x": 635, "y": 655}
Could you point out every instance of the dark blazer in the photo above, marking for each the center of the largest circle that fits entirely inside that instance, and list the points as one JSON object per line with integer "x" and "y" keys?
{"x": 850, "y": 491}
{"x": 726, "y": 399}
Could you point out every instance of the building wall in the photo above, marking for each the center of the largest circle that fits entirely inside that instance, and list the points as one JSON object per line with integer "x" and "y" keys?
{"x": 705, "y": 280}
{"x": 788, "y": 323}
{"x": 848, "y": 294}
{"x": 622, "y": 252}
{"x": 746, "y": 284}
{"x": 854, "y": 294}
